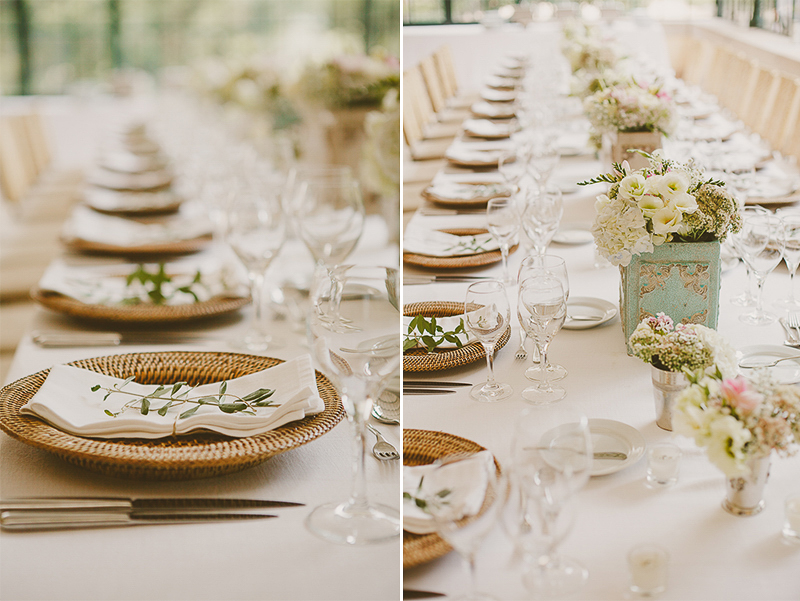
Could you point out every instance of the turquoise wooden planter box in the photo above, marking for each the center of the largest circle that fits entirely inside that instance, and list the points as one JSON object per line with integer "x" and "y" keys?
{"x": 680, "y": 279}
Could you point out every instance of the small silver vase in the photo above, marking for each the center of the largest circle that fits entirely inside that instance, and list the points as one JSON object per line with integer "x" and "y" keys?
{"x": 745, "y": 495}
{"x": 667, "y": 385}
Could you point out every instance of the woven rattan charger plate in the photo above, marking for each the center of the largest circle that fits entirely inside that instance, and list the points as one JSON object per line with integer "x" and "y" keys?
{"x": 423, "y": 447}
{"x": 177, "y": 457}
{"x": 179, "y": 247}
{"x": 421, "y": 360}
{"x": 141, "y": 313}
{"x": 460, "y": 262}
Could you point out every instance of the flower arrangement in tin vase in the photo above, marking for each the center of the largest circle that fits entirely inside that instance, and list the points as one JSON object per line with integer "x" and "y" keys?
{"x": 629, "y": 107}
{"x": 690, "y": 347}
{"x": 737, "y": 419}
{"x": 664, "y": 202}
{"x": 586, "y": 50}
{"x": 350, "y": 80}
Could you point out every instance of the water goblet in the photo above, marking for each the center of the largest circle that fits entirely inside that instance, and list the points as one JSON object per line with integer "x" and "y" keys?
{"x": 542, "y": 310}
{"x": 552, "y": 461}
{"x": 761, "y": 246}
{"x": 557, "y": 267}
{"x": 360, "y": 361}
{"x": 512, "y": 166}
{"x": 464, "y": 494}
{"x": 747, "y": 298}
{"x": 543, "y": 160}
{"x": 487, "y": 315}
{"x": 790, "y": 239}
{"x": 256, "y": 232}
{"x": 503, "y": 226}
{"x": 541, "y": 217}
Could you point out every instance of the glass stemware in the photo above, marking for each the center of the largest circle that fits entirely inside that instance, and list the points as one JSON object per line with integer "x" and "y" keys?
{"x": 541, "y": 217}
{"x": 552, "y": 462}
{"x": 747, "y": 298}
{"x": 487, "y": 316}
{"x": 360, "y": 360}
{"x": 256, "y": 232}
{"x": 533, "y": 265}
{"x": 790, "y": 239}
{"x": 761, "y": 246}
{"x": 544, "y": 158}
{"x": 503, "y": 226}
{"x": 464, "y": 494}
{"x": 512, "y": 166}
{"x": 542, "y": 310}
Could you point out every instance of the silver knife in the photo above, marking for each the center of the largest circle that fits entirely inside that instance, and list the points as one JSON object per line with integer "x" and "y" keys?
{"x": 414, "y": 390}
{"x": 434, "y": 384}
{"x": 72, "y": 339}
{"x": 25, "y": 519}
{"x": 415, "y": 280}
{"x": 121, "y": 504}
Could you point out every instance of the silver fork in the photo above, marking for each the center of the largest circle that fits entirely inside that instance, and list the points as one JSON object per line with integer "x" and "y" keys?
{"x": 382, "y": 449}
{"x": 791, "y": 337}
{"x": 793, "y": 320}
{"x": 522, "y": 352}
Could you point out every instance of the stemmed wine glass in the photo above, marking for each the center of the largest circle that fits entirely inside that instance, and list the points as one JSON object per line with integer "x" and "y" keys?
{"x": 745, "y": 299}
{"x": 544, "y": 158}
{"x": 552, "y": 461}
{"x": 761, "y": 250}
{"x": 503, "y": 226}
{"x": 512, "y": 165}
{"x": 256, "y": 232}
{"x": 464, "y": 494}
{"x": 487, "y": 316}
{"x": 360, "y": 360}
{"x": 790, "y": 239}
{"x": 545, "y": 265}
{"x": 542, "y": 310}
{"x": 541, "y": 217}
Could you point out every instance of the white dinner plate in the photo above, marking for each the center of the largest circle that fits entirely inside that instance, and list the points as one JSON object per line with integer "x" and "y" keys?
{"x": 613, "y": 436}
{"x": 786, "y": 372}
{"x": 590, "y": 306}
{"x": 573, "y": 235}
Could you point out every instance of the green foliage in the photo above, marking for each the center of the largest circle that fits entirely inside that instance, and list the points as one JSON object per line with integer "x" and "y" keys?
{"x": 428, "y": 333}
{"x": 154, "y": 285}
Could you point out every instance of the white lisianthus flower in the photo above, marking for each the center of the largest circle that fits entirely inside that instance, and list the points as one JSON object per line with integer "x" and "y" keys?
{"x": 673, "y": 182}
{"x": 666, "y": 220}
{"x": 688, "y": 416}
{"x": 601, "y": 202}
{"x": 651, "y": 185}
{"x": 684, "y": 202}
{"x": 659, "y": 239}
{"x": 631, "y": 186}
{"x": 649, "y": 204}
{"x": 728, "y": 436}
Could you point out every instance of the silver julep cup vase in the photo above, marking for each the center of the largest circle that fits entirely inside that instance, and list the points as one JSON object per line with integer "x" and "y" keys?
{"x": 667, "y": 385}
{"x": 744, "y": 495}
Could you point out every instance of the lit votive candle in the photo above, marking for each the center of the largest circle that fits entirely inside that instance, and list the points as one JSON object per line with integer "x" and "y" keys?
{"x": 663, "y": 464}
{"x": 648, "y": 566}
{"x": 791, "y": 526}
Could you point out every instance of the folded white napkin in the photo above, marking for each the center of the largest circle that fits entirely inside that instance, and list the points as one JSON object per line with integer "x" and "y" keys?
{"x": 124, "y": 161}
{"x": 118, "y": 180}
{"x": 66, "y": 401}
{"x": 464, "y": 500}
{"x": 105, "y": 199}
{"x": 496, "y": 110}
{"x": 489, "y": 129}
{"x": 439, "y": 244}
{"x": 477, "y": 152}
{"x": 448, "y": 324}
{"x": 465, "y": 192}
{"x": 494, "y": 95}
{"x": 106, "y": 284}
{"x": 491, "y": 177}
{"x": 89, "y": 225}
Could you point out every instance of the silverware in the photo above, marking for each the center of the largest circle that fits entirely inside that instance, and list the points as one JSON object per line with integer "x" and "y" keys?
{"x": 382, "y": 449}
{"x": 610, "y": 455}
{"x": 415, "y": 391}
{"x": 794, "y": 322}
{"x": 744, "y": 363}
{"x": 522, "y": 352}
{"x": 414, "y": 279}
{"x": 447, "y": 212}
{"x": 412, "y": 594}
{"x": 433, "y": 383}
{"x": 584, "y": 317}
{"x": 73, "y": 339}
{"x": 791, "y": 337}
{"x": 55, "y": 519}
{"x": 155, "y": 504}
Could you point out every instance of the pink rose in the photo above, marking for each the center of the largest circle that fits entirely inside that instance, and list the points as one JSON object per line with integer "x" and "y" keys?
{"x": 740, "y": 396}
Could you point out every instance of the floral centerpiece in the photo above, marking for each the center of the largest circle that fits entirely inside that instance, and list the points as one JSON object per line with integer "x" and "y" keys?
{"x": 740, "y": 422}
{"x": 380, "y": 163}
{"x": 671, "y": 350}
{"x": 585, "y": 49}
{"x": 662, "y": 225}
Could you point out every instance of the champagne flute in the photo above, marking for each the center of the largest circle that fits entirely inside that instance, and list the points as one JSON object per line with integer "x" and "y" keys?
{"x": 256, "y": 232}
{"x": 553, "y": 461}
{"x": 504, "y": 226}
{"x": 360, "y": 360}
{"x": 542, "y": 309}
{"x": 464, "y": 494}
{"x": 761, "y": 246}
{"x": 541, "y": 217}
{"x": 487, "y": 316}
{"x": 790, "y": 238}
{"x": 545, "y": 265}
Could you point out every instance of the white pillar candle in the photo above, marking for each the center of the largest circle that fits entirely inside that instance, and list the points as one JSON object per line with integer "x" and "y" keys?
{"x": 791, "y": 527}
{"x": 663, "y": 463}
{"x": 648, "y": 567}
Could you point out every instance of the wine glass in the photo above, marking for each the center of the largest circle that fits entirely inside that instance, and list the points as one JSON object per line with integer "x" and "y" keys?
{"x": 761, "y": 247}
{"x": 504, "y": 226}
{"x": 512, "y": 166}
{"x": 541, "y": 217}
{"x": 360, "y": 360}
{"x": 552, "y": 461}
{"x": 790, "y": 238}
{"x": 487, "y": 316}
{"x": 747, "y": 298}
{"x": 557, "y": 267}
{"x": 464, "y": 494}
{"x": 256, "y": 232}
{"x": 543, "y": 160}
{"x": 542, "y": 310}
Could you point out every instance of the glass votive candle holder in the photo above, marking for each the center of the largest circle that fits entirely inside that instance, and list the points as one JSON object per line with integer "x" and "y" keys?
{"x": 663, "y": 465}
{"x": 648, "y": 569}
{"x": 791, "y": 524}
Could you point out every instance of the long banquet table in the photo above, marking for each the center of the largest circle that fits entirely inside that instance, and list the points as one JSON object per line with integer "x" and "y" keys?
{"x": 263, "y": 559}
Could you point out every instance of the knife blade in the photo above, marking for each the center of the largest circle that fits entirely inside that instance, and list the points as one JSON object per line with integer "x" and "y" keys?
{"x": 412, "y": 594}
{"x": 413, "y": 280}
{"x": 121, "y": 504}
{"x": 74, "y": 339}
{"x": 412, "y": 391}
{"x": 434, "y": 384}
{"x": 26, "y": 520}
